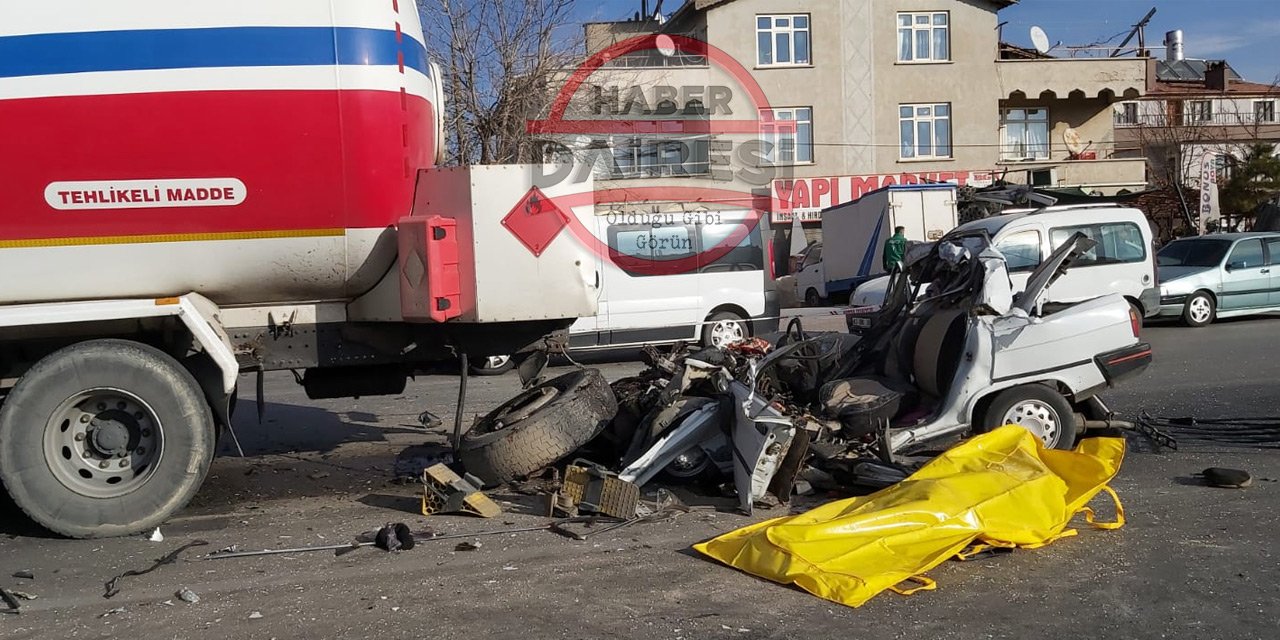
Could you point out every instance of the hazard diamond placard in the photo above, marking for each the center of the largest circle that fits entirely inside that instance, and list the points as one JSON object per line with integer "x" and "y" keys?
{"x": 536, "y": 221}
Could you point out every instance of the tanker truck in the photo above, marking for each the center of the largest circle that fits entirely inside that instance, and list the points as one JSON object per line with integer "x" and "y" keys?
{"x": 190, "y": 192}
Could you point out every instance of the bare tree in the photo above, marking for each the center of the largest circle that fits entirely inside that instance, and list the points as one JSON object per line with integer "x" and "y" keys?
{"x": 497, "y": 57}
{"x": 1175, "y": 135}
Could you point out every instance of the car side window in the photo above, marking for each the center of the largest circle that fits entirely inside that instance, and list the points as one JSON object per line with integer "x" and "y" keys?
{"x": 1246, "y": 255}
{"x": 1021, "y": 250}
{"x": 1273, "y": 248}
{"x": 1118, "y": 243}
{"x": 814, "y": 257}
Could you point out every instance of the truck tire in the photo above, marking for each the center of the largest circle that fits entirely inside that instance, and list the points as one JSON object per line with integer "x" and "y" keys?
{"x": 105, "y": 438}
{"x": 538, "y": 428}
{"x": 1037, "y": 408}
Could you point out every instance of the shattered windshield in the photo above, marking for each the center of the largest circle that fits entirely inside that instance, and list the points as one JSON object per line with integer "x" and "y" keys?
{"x": 1200, "y": 252}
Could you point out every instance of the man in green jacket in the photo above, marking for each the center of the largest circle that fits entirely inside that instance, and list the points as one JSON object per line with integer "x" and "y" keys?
{"x": 895, "y": 248}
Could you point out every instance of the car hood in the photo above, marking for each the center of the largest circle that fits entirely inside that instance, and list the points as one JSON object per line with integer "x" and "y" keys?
{"x": 1169, "y": 274}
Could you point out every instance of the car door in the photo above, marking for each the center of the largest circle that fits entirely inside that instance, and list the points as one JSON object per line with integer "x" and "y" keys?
{"x": 1246, "y": 278}
{"x": 1022, "y": 249}
{"x": 1273, "y": 255}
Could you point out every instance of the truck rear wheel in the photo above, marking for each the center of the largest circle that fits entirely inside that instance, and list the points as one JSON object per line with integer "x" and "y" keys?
{"x": 104, "y": 438}
{"x": 538, "y": 428}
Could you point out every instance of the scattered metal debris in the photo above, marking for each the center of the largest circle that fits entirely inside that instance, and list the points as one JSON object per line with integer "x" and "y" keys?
{"x": 25, "y": 574}
{"x": 473, "y": 545}
{"x": 112, "y": 585}
{"x": 1254, "y": 433}
{"x": 188, "y": 596}
{"x": 112, "y": 612}
{"x": 255, "y": 615}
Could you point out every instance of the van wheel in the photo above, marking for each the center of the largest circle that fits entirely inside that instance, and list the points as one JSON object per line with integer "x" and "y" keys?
{"x": 812, "y": 299}
{"x": 723, "y": 329}
{"x": 105, "y": 438}
{"x": 1038, "y": 409}
{"x": 493, "y": 366}
{"x": 1200, "y": 310}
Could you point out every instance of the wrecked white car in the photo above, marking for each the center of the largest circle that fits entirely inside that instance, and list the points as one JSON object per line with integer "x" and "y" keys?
{"x": 962, "y": 355}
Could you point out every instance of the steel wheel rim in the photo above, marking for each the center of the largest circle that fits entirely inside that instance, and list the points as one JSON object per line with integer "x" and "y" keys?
{"x": 689, "y": 464}
{"x": 1037, "y": 417}
{"x": 103, "y": 443}
{"x": 1200, "y": 310}
{"x": 725, "y": 333}
{"x": 496, "y": 362}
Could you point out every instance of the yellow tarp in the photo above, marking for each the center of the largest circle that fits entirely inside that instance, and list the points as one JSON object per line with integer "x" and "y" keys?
{"x": 1002, "y": 488}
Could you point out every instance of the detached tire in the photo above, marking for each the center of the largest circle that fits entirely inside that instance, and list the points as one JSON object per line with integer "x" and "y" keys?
{"x": 1038, "y": 409}
{"x": 105, "y": 438}
{"x": 538, "y": 428}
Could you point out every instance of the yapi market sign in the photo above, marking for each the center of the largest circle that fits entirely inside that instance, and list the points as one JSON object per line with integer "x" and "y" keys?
{"x": 807, "y": 197}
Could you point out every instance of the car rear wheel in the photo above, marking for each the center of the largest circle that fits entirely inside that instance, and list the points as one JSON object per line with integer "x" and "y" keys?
{"x": 1038, "y": 409}
{"x": 1200, "y": 310}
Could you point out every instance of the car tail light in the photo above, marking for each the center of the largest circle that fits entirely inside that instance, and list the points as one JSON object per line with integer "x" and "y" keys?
{"x": 1135, "y": 322}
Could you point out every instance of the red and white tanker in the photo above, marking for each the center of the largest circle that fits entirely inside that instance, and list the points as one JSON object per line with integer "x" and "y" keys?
{"x": 193, "y": 191}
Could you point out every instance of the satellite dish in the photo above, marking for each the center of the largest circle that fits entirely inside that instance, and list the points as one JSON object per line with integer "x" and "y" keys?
{"x": 1040, "y": 39}
{"x": 1071, "y": 138}
{"x": 666, "y": 45}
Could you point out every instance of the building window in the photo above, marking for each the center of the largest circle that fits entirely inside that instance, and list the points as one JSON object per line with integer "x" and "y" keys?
{"x": 924, "y": 131}
{"x": 1024, "y": 134}
{"x": 1264, "y": 111}
{"x": 1198, "y": 111}
{"x": 787, "y": 135}
{"x": 924, "y": 37}
{"x": 782, "y": 41}
{"x": 1127, "y": 114}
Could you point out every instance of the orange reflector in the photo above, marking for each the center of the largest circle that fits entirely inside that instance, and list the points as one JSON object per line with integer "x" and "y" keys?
{"x": 164, "y": 302}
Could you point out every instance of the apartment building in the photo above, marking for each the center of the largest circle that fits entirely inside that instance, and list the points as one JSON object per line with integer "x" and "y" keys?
{"x": 1193, "y": 107}
{"x": 855, "y": 95}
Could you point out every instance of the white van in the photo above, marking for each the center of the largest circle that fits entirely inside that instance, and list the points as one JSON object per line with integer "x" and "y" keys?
{"x": 1123, "y": 262}
{"x": 704, "y": 276}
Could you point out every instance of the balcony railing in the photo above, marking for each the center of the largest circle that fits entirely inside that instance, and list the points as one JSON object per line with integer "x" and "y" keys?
{"x": 1196, "y": 120}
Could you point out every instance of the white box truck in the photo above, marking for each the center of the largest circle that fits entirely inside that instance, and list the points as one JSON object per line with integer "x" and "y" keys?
{"x": 854, "y": 234}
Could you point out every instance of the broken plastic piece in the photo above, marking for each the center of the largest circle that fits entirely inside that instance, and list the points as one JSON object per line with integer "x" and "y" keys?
{"x": 596, "y": 490}
{"x": 1226, "y": 478}
{"x": 156, "y": 536}
{"x": 447, "y": 492}
{"x": 188, "y": 596}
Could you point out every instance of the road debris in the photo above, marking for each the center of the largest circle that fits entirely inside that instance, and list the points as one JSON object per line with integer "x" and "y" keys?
{"x": 255, "y": 615}
{"x": 473, "y": 545}
{"x": 112, "y": 585}
{"x": 156, "y": 536}
{"x": 23, "y": 595}
{"x": 447, "y": 492}
{"x": 188, "y": 596}
{"x": 112, "y": 612}
{"x": 24, "y": 574}
{"x": 11, "y": 601}
{"x": 1226, "y": 478}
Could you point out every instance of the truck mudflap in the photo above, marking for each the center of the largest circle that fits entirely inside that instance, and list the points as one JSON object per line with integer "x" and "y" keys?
{"x": 1118, "y": 366}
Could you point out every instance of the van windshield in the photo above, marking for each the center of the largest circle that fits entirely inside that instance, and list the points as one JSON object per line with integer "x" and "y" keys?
{"x": 1198, "y": 252}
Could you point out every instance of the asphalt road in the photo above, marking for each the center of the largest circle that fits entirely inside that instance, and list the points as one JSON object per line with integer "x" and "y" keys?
{"x": 1193, "y": 562}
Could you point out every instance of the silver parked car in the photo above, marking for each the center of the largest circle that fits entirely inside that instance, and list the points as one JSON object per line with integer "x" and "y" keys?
{"x": 1219, "y": 276}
